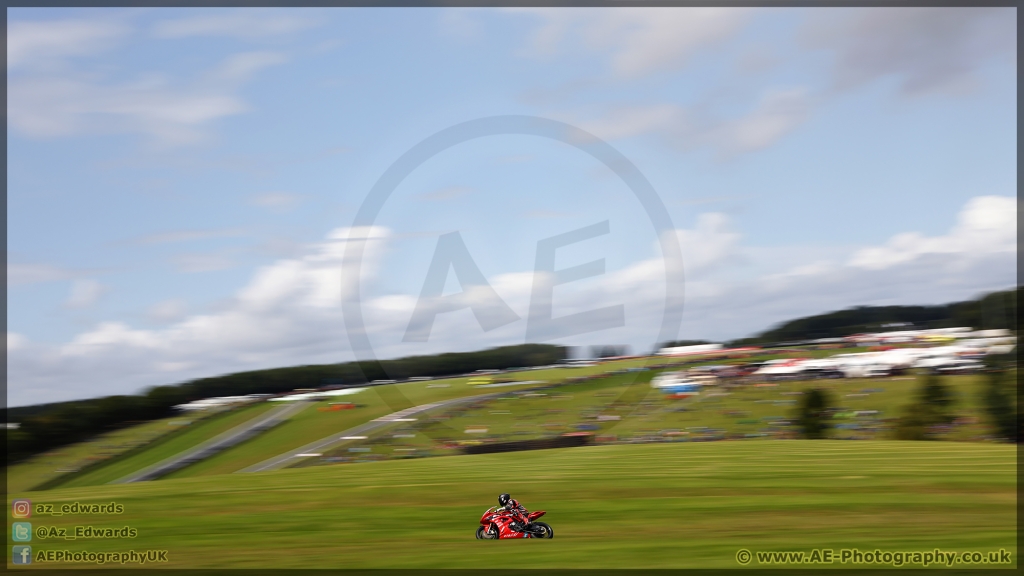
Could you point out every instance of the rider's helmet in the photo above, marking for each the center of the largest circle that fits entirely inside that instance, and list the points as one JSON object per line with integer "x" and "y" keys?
{"x": 503, "y": 500}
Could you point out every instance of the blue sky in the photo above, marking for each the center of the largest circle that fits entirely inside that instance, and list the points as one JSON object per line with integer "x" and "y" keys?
{"x": 182, "y": 183}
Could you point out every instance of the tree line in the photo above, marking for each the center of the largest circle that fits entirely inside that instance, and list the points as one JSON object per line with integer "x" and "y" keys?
{"x": 933, "y": 408}
{"x": 994, "y": 310}
{"x": 47, "y": 426}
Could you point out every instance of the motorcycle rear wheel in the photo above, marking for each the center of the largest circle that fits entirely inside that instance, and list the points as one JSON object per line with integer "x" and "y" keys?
{"x": 545, "y": 532}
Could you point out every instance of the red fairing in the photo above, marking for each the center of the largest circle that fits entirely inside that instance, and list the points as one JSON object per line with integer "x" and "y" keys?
{"x": 537, "y": 514}
{"x": 503, "y": 522}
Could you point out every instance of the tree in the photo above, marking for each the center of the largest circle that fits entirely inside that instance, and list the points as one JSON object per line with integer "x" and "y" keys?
{"x": 1000, "y": 399}
{"x": 994, "y": 310}
{"x": 932, "y": 408}
{"x": 914, "y": 422}
{"x": 814, "y": 414}
{"x": 938, "y": 398}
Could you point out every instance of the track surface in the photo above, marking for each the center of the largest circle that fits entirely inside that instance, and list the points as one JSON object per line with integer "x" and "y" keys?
{"x": 341, "y": 437}
{"x": 216, "y": 444}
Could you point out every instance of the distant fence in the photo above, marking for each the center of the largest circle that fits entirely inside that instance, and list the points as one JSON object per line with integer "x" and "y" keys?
{"x": 538, "y": 444}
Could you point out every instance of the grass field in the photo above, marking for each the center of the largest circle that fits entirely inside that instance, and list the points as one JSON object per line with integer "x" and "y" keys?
{"x": 618, "y": 506}
{"x": 200, "y": 432}
{"x": 641, "y": 413}
{"x": 69, "y": 459}
{"x": 750, "y": 411}
{"x": 307, "y": 426}
{"x": 313, "y": 424}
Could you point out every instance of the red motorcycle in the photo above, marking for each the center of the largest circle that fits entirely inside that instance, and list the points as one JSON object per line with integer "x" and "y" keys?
{"x": 497, "y": 524}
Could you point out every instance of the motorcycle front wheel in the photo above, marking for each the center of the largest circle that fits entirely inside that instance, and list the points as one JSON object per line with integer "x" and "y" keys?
{"x": 483, "y": 533}
{"x": 542, "y": 530}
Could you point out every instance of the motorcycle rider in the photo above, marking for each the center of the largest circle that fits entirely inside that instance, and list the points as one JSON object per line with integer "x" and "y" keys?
{"x": 509, "y": 504}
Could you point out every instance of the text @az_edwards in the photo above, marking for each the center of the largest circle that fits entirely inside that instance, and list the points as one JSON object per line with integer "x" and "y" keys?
{"x": 84, "y": 532}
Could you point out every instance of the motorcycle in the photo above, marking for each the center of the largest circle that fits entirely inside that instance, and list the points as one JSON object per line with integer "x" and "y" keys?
{"x": 497, "y": 524}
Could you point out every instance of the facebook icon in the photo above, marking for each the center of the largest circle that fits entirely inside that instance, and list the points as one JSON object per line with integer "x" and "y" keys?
{"x": 21, "y": 554}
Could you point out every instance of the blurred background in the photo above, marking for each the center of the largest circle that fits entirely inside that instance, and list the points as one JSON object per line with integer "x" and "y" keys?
{"x": 180, "y": 183}
{"x": 183, "y": 184}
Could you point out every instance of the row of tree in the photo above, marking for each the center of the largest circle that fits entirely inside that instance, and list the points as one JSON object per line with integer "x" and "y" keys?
{"x": 994, "y": 310}
{"x": 932, "y": 410}
{"x": 48, "y": 426}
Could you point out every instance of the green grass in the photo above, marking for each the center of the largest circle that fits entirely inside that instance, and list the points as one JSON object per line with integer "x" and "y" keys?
{"x": 312, "y": 424}
{"x": 645, "y": 412}
{"x": 47, "y": 467}
{"x": 623, "y": 506}
{"x": 745, "y": 411}
{"x": 307, "y": 426}
{"x": 303, "y": 428}
{"x": 196, "y": 434}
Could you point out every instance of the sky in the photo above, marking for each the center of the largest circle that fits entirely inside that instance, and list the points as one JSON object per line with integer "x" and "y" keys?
{"x": 189, "y": 190}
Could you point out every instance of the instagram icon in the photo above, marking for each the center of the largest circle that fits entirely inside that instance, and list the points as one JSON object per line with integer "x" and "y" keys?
{"x": 21, "y": 508}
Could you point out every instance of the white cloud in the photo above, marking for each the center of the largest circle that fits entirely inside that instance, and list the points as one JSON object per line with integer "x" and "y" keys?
{"x": 275, "y": 200}
{"x": 44, "y": 104}
{"x": 926, "y": 49}
{"x": 111, "y": 335}
{"x": 14, "y": 341}
{"x": 240, "y": 67}
{"x": 290, "y": 311}
{"x": 987, "y": 225}
{"x": 977, "y": 255}
{"x": 243, "y": 24}
{"x": 626, "y": 121}
{"x": 54, "y": 107}
{"x": 637, "y": 41}
{"x": 777, "y": 112}
{"x": 84, "y": 293}
{"x": 34, "y": 43}
{"x": 713, "y": 242}
{"x": 33, "y": 273}
{"x": 167, "y": 310}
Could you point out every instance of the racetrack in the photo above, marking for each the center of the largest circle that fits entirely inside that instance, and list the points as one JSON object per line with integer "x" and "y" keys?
{"x": 217, "y": 444}
{"x": 340, "y": 438}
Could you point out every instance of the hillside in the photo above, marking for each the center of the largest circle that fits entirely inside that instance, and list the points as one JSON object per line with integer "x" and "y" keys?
{"x": 994, "y": 310}
{"x": 47, "y": 426}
